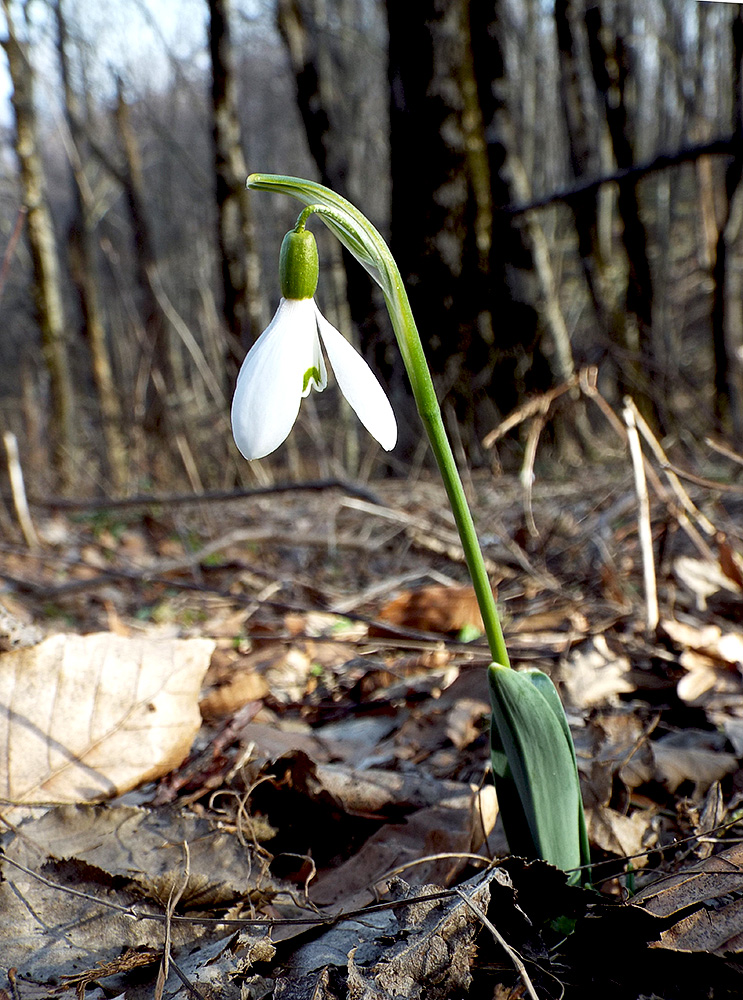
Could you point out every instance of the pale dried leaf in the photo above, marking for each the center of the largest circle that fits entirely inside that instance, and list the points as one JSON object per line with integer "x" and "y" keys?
{"x": 87, "y": 717}
{"x": 594, "y": 675}
{"x": 703, "y": 578}
{"x": 692, "y": 755}
{"x": 708, "y": 640}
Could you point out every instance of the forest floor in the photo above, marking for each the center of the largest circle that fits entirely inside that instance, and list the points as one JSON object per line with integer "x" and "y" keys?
{"x": 246, "y": 744}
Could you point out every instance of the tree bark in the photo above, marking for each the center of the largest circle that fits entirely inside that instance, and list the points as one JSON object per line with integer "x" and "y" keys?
{"x": 460, "y": 257}
{"x": 727, "y": 308}
{"x": 160, "y": 388}
{"x": 327, "y": 90}
{"x": 610, "y": 62}
{"x": 242, "y": 298}
{"x": 82, "y": 260}
{"x": 44, "y": 258}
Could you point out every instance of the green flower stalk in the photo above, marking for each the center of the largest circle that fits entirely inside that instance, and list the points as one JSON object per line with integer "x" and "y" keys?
{"x": 533, "y": 757}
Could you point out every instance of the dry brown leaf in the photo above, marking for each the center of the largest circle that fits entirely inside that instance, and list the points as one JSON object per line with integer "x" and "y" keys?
{"x": 83, "y": 718}
{"x": 731, "y": 562}
{"x": 716, "y": 932}
{"x": 595, "y": 675}
{"x": 692, "y": 755}
{"x": 625, "y": 836}
{"x": 437, "y": 608}
{"x": 715, "y": 877}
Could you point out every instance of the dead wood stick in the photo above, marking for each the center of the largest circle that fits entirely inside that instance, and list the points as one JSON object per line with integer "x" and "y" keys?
{"x": 675, "y": 483}
{"x": 722, "y": 449}
{"x": 527, "y": 470}
{"x": 643, "y": 518}
{"x": 537, "y": 406}
{"x": 18, "y": 489}
{"x": 173, "y": 499}
{"x": 588, "y": 387}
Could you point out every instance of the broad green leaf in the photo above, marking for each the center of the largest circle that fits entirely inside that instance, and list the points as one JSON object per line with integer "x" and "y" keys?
{"x": 534, "y": 762}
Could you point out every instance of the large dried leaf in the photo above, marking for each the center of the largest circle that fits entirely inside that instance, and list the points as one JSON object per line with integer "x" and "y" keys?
{"x": 87, "y": 717}
{"x": 433, "y": 951}
{"x": 117, "y": 856}
{"x": 714, "y": 926}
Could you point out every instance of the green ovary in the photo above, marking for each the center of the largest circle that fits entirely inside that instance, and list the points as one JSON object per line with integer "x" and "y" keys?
{"x": 311, "y": 375}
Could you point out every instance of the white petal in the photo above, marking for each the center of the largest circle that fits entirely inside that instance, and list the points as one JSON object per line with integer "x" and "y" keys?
{"x": 359, "y": 385}
{"x": 272, "y": 379}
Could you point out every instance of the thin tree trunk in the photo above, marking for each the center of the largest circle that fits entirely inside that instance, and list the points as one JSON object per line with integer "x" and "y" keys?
{"x": 161, "y": 389}
{"x": 727, "y": 314}
{"x": 609, "y": 59}
{"x": 45, "y": 261}
{"x": 82, "y": 257}
{"x": 325, "y": 111}
{"x": 242, "y": 299}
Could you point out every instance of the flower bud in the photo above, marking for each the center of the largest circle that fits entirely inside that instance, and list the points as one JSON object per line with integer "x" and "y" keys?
{"x": 299, "y": 267}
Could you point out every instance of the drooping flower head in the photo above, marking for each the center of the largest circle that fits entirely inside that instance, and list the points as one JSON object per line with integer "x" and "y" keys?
{"x": 287, "y": 361}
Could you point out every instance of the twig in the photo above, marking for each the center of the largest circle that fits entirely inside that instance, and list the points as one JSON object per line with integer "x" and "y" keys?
{"x": 176, "y": 499}
{"x": 722, "y": 449}
{"x": 588, "y": 387}
{"x": 186, "y": 981}
{"x": 173, "y": 899}
{"x": 18, "y": 489}
{"x": 512, "y": 954}
{"x": 643, "y": 518}
{"x": 531, "y": 408}
{"x": 727, "y": 145}
{"x": 675, "y": 483}
{"x": 527, "y": 471}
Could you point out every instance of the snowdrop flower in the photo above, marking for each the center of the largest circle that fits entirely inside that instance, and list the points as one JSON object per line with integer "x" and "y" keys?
{"x": 287, "y": 361}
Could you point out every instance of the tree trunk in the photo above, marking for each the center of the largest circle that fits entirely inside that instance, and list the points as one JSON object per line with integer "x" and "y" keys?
{"x": 44, "y": 258}
{"x": 160, "y": 388}
{"x": 82, "y": 259}
{"x": 326, "y": 74}
{"x": 459, "y": 256}
{"x": 610, "y": 62}
{"x": 727, "y": 309}
{"x": 242, "y": 299}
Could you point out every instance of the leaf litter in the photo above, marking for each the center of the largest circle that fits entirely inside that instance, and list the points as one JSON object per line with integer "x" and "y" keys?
{"x": 273, "y": 712}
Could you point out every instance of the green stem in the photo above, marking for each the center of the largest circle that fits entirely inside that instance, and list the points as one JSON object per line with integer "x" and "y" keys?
{"x": 358, "y": 235}
{"x": 430, "y": 413}
{"x": 414, "y": 359}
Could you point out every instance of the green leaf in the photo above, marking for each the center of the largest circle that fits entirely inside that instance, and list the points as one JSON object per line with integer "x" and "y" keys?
{"x": 535, "y": 769}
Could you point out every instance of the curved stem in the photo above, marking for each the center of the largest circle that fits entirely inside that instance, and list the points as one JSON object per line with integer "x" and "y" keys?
{"x": 367, "y": 245}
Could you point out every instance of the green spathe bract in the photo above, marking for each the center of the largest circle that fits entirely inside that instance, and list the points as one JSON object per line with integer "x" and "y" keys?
{"x": 299, "y": 267}
{"x": 532, "y": 751}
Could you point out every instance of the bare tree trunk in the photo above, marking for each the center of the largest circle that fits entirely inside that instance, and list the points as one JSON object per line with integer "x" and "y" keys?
{"x": 161, "y": 388}
{"x": 609, "y": 59}
{"x": 461, "y": 258}
{"x": 82, "y": 257}
{"x": 242, "y": 299}
{"x": 727, "y": 310}
{"x": 326, "y": 78}
{"x": 44, "y": 257}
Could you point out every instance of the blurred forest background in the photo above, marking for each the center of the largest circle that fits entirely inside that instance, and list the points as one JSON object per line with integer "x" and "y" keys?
{"x": 560, "y": 183}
